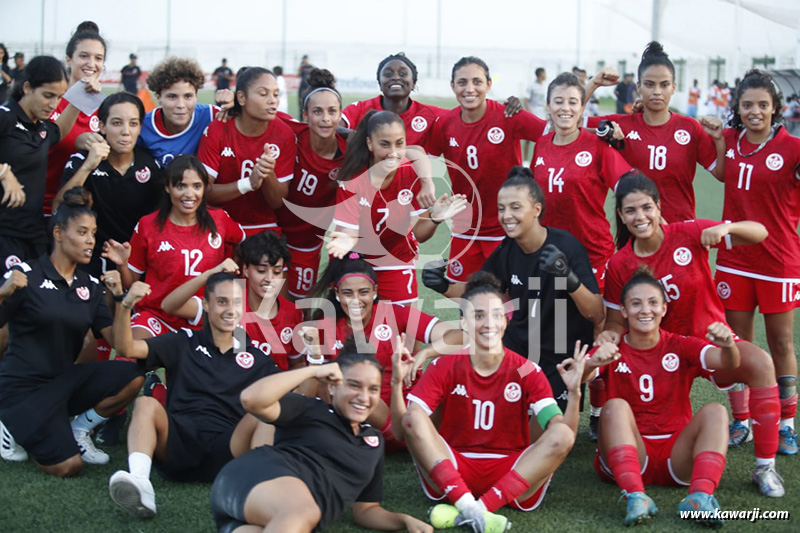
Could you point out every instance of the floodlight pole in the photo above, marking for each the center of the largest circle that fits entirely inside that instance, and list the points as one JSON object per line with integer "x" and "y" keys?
{"x": 578, "y": 31}
{"x": 41, "y": 33}
{"x": 438, "y": 39}
{"x": 169, "y": 26}
{"x": 655, "y": 25}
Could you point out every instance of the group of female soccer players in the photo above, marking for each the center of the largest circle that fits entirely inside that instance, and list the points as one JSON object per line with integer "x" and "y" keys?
{"x": 166, "y": 209}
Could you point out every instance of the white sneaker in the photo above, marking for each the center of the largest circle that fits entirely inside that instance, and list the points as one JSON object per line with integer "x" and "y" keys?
{"x": 134, "y": 494}
{"x": 89, "y": 453}
{"x": 9, "y": 449}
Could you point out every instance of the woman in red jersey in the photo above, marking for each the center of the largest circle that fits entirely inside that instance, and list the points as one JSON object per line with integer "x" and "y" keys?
{"x": 761, "y": 183}
{"x": 648, "y": 435}
{"x": 251, "y": 158}
{"x": 677, "y": 254}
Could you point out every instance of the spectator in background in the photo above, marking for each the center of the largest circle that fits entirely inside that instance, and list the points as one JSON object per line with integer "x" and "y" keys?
{"x": 694, "y": 97}
{"x": 5, "y": 73}
{"x": 625, "y": 93}
{"x": 19, "y": 66}
{"x": 581, "y": 73}
{"x": 130, "y": 75}
{"x": 534, "y": 101}
{"x": 283, "y": 100}
{"x": 302, "y": 73}
{"x": 223, "y": 75}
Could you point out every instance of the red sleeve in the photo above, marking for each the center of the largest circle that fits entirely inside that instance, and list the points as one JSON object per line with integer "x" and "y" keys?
{"x": 614, "y": 166}
{"x": 346, "y": 213}
{"x": 411, "y": 319}
{"x": 208, "y": 151}
{"x": 284, "y": 166}
{"x": 352, "y": 115}
{"x": 434, "y": 144}
{"x": 428, "y": 391}
{"x": 528, "y": 126}
{"x": 613, "y": 287}
{"x": 537, "y": 387}
{"x": 593, "y": 122}
{"x": 233, "y": 232}
{"x": 706, "y": 149}
{"x": 137, "y": 261}
{"x": 692, "y": 349}
{"x": 696, "y": 227}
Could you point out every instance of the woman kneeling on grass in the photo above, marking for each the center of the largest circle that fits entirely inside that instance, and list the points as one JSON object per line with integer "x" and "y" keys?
{"x": 325, "y": 457}
{"x": 647, "y": 434}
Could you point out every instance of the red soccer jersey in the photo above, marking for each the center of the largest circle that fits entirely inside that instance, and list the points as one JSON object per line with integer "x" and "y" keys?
{"x": 387, "y": 322}
{"x": 764, "y": 187}
{"x": 484, "y": 414}
{"x": 275, "y": 337}
{"x": 575, "y": 179}
{"x": 59, "y": 154}
{"x": 172, "y": 256}
{"x": 656, "y": 383}
{"x": 668, "y": 155}
{"x": 418, "y": 118}
{"x": 483, "y": 152}
{"x": 382, "y": 217}
{"x": 681, "y": 266}
{"x": 230, "y": 156}
{"x": 308, "y": 208}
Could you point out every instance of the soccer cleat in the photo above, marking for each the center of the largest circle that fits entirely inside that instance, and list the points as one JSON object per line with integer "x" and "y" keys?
{"x": 134, "y": 494}
{"x": 769, "y": 482}
{"x": 89, "y": 453}
{"x": 703, "y": 503}
{"x": 787, "y": 441}
{"x": 443, "y": 516}
{"x": 446, "y": 516}
{"x": 640, "y": 507}
{"x": 738, "y": 433}
{"x": 108, "y": 434}
{"x": 593, "y": 422}
{"x": 9, "y": 449}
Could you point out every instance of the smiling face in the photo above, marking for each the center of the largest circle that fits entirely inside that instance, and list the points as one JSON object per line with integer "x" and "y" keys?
{"x": 122, "y": 127}
{"x": 261, "y": 100}
{"x": 187, "y": 194}
{"x": 77, "y": 241}
{"x": 471, "y": 86}
{"x": 485, "y": 322}
{"x": 388, "y": 145}
{"x": 264, "y": 279}
{"x": 39, "y": 103}
{"x": 565, "y": 108}
{"x": 643, "y": 308}
{"x": 396, "y": 80}
{"x": 177, "y": 104}
{"x": 359, "y": 393}
{"x": 87, "y": 61}
{"x": 656, "y": 88}
{"x": 224, "y": 306}
{"x": 516, "y": 211}
{"x": 640, "y": 214}
{"x": 756, "y": 108}
{"x": 322, "y": 113}
{"x": 356, "y": 294}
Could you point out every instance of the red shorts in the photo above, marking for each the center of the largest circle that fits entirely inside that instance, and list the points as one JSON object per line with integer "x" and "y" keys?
{"x": 398, "y": 286}
{"x": 599, "y": 271}
{"x": 480, "y": 472}
{"x": 467, "y": 257}
{"x": 657, "y": 469}
{"x": 743, "y": 293}
{"x": 156, "y": 324}
{"x": 303, "y": 270}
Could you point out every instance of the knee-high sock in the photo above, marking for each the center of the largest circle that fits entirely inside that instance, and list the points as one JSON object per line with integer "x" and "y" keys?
{"x": 765, "y": 409}
{"x": 597, "y": 393}
{"x": 505, "y": 490}
{"x": 449, "y": 481}
{"x": 707, "y": 471}
{"x": 787, "y": 390}
{"x": 624, "y": 464}
{"x": 739, "y": 398}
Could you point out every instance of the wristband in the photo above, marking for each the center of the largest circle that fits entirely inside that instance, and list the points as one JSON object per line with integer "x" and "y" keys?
{"x": 244, "y": 186}
{"x": 314, "y": 360}
{"x": 432, "y": 220}
{"x": 128, "y": 306}
{"x": 120, "y": 297}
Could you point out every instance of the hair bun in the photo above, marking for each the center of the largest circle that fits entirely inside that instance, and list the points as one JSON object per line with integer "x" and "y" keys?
{"x": 78, "y": 197}
{"x": 654, "y": 48}
{"x": 321, "y": 77}
{"x": 482, "y": 278}
{"x": 88, "y": 25}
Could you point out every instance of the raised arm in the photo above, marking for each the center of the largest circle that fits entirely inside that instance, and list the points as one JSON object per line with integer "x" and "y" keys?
{"x": 555, "y": 262}
{"x": 444, "y": 208}
{"x": 572, "y": 371}
{"x": 180, "y": 302}
{"x": 124, "y": 343}
{"x": 713, "y": 127}
{"x": 97, "y": 152}
{"x": 726, "y": 357}
{"x": 741, "y": 233}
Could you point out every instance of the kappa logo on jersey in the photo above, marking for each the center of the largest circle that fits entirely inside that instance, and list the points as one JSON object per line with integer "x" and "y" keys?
{"x": 623, "y": 368}
{"x": 496, "y": 135}
{"x": 273, "y": 150}
{"x": 539, "y": 161}
{"x": 456, "y": 267}
{"x": 165, "y": 246}
{"x": 69, "y": 164}
{"x": 515, "y": 280}
{"x": 94, "y": 124}
{"x": 333, "y": 174}
{"x": 498, "y": 492}
{"x": 20, "y": 126}
{"x": 286, "y": 335}
{"x": 723, "y": 290}
{"x": 383, "y": 332}
{"x": 453, "y": 142}
{"x": 513, "y": 392}
{"x": 227, "y": 152}
{"x": 245, "y": 359}
{"x": 670, "y": 362}
{"x": 215, "y": 240}
{"x": 364, "y": 202}
{"x": 405, "y": 196}
{"x": 682, "y": 256}
{"x": 583, "y": 159}
{"x": 155, "y": 325}
{"x": 460, "y": 390}
{"x": 143, "y": 176}
{"x": 337, "y": 345}
{"x": 83, "y": 293}
{"x": 202, "y": 349}
{"x": 774, "y": 161}
{"x": 47, "y": 284}
{"x": 729, "y": 154}
{"x": 633, "y": 135}
{"x": 419, "y": 124}
{"x": 12, "y": 260}
{"x": 99, "y": 172}
{"x": 562, "y": 396}
{"x": 372, "y": 441}
{"x": 682, "y": 137}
